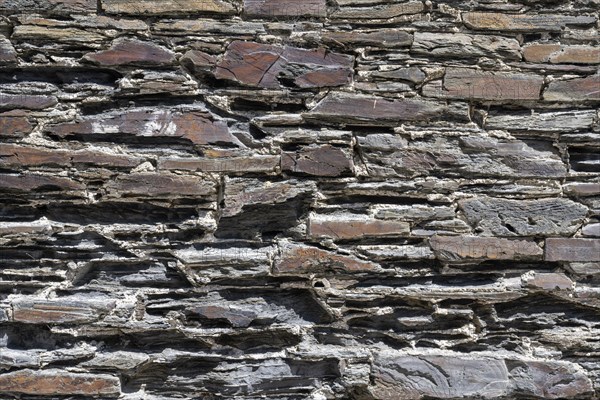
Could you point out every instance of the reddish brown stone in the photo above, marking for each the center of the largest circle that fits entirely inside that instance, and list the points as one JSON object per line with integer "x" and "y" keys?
{"x": 467, "y": 83}
{"x": 198, "y": 62}
{"x": 465, "y": 248}
{"x": 8, "y": 55}
{"x": 549, "y": 281}
{"x": 270, "y": 66}
{"x": 559, "y": 249}
{"x": 198, "y": 127}
{"x": 351, "y": 226}
{"x": 42, "y": 183}
{"x": 60, "y": 7}
{"x": 26, "y": 101}
{"x": 523, "y": 22}
{"x": 248, "y": 164}
{"x": 167, "y": 7}
{"x": 130, "y": 52}
{"x": 297, "y": 259}
{"x": 579, "y": 89}
{"x": 318, "y": 161}
{"x": 385, "y": 38}
{"x": 285, "y": 8}
{"x": 61, "y": 311}
{"x": 169, "y": 185}
{"x": 556, "y": 53}
{"x": 345, "y": 108}
{"x": 14, "y": 126}
{"x": 56, "y": 382}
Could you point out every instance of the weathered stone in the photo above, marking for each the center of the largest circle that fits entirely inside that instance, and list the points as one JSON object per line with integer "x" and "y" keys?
{"x": 345, "y": 108}
{"x": 129, "y": 52}
{"x": 549, "y": 379}
{"x": 167, "y": 7}
{"x": 198, "y": 62}
{"x": 31, "y": 182}
{"x": 318, "y": 161}
{"x": 592, "y": 230}
{"x": 523, "y": 22}
{"x": 582, "y": 189}
{"x": 502, "y": 217}
{"x": 579, "y": 89}
{"x": 185, "y": 27}
{"x": 232, "y": 165}
{"x": 196, "y": 126}
{"x": 412, "y": 74}
{"x": 384, "y": 11}
{"x": 473, "y": 248}
{"x": 26, "y": 101}
{"x": 121, "y": 360}
{"x": 8, "y": 55}
{"x": 61, "y": 7}
{"x": 76, "y": 36}
{"x": 14, "y": 126}
{"x": 441, "y": 377}
{"x": 60, "y": 311}
{"x": 285, "y": 8}
{"x": 584, "y": 250}
{"x": 384, "y": 38}
{"x": 559, "y": 121}
{"x": 463, "y": 45}
{"x": 56, "y": 382}
{"x": 300, "y": 259}
{"x": 354, "y": 227}
{"x": 556, "y": 54}
{"x": 548, "y": 281}
{"x": 271, "y": 67}
{"x": 393, "y": 252}
{"x": 166, "y": 185}
{"x": 467, "y": 83}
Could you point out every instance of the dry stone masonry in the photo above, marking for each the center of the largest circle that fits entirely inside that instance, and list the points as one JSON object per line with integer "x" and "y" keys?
{"x": 285, "y": 199}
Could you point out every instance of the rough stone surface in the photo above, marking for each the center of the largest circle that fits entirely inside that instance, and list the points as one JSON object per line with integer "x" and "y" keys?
{"x": 299, "y": 199}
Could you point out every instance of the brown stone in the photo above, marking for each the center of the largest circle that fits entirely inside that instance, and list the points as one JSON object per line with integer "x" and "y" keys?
{"x": 56, "y": 382}
{"x": 198, "y": 62}
{"x": 26, "y": 101}
{"x": 349, "y": 226}
{"x": 268, "y": 66}
{"x": 167, "y": 7}
{"x": 454, "y": 45}
{"x": 384, "y": 38}
{"x": 14, "y": 126}
{"x": 285, "y": 8}
{"x": 563, "y": 249}
{"x": 345, "y": 108}
{"x": 42, "y": 183}
{"x": 195, "y": 126}
{"x": 578, "y": 89}
{"x": 385, "y": 11}
{"x": 130, "y": 52}
{"x": 81, "y": 37}
{"x": 8, "y": 55}
{"x": 60, "y": 7}
{"x": 299, "y": 259}
{"x": 549, "y": 281}
{"x": 318, "y": 161}
{"x": 582, "y": 189}
{"x": 248, "y": 164}
{"x": 169, "y": 185}
{"x": 467, "y": 83}
{"x": 466, "y": 248}
{"x": 60, "y": 311}
{"x": 523, "y": 22}
{"x": 556, "y": 54}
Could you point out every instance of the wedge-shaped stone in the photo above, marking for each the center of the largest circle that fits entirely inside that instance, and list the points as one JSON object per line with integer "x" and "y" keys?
{"x": 196, "y": 126}
{"x": 579, "y": 89}
{"x": 523, "y": 22}
{"x": 466, "y": 46}
{"x": 503, "y": 217}
{"x": 69, "y": 310}
{"x": 384, "y": 38}
{"x": 547, "y": 281}
{"x": 132, "y": 52}
{"x": 269, "y": 66}
{"x": 167, "y": 7}
{"x": 318, "y": 161}
{"x": 557, "y": 54}
{"x": 285, "y": 8}
{"x": 354, "y": 226}
{"x": 163, "y": 185}
{"x": 38, "y": 183}
{"x": 472, "y": 84}
{"x": 56, "y": 382}
{"x": 8, "y": 55}
{"x": 564, "y": 249}
{"x": 346, "y": 108}
{"x": 473, "y": 248}
{"x": 299, "y": 259}
{"x": 59, "y": 7}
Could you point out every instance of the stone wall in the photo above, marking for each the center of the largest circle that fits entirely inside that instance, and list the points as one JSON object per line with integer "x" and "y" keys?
{"x": 299, "y": 199}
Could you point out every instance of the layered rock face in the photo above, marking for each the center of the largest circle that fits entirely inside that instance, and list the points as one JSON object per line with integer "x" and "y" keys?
{"x": 277, "y": 199}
